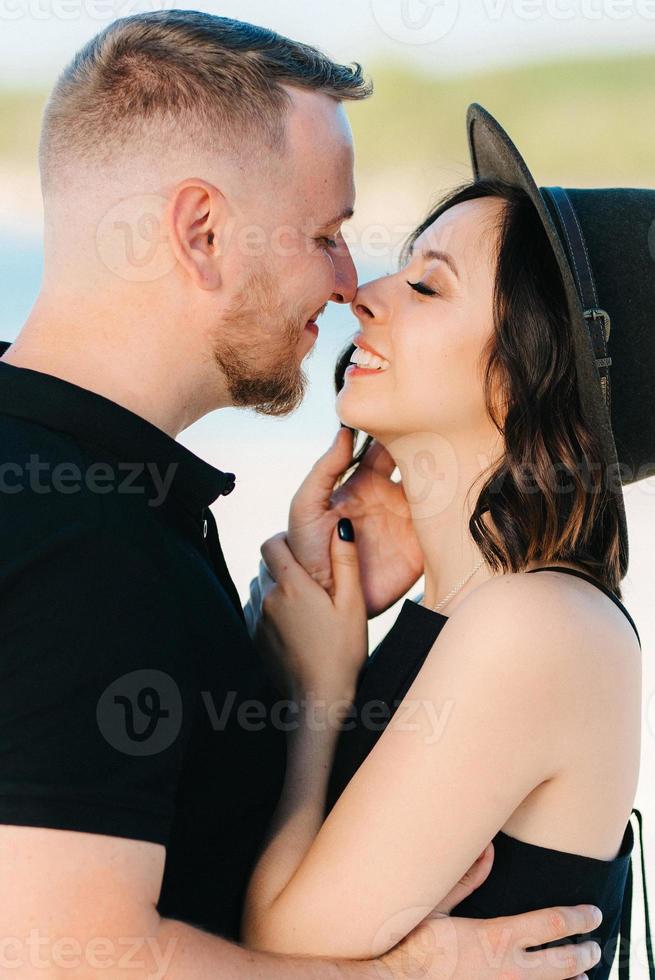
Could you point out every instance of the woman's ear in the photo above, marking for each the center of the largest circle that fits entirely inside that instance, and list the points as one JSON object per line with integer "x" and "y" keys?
{"x": 197, "y": 212}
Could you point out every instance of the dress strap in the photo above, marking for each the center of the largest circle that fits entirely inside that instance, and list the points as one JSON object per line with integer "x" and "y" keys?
{"x": 624, "y": 945}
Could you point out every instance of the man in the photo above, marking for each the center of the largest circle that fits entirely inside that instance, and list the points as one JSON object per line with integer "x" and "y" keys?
{"x": 142, "y": 751}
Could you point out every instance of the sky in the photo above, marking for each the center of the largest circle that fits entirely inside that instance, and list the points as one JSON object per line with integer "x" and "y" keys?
{"x": 37, "y": 37}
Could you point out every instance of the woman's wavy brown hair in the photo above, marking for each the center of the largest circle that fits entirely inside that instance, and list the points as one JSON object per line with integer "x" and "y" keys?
{"x": 549, "y": 495}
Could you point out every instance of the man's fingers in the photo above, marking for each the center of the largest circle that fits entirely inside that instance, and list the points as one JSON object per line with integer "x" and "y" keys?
{"x": 521, "y": 932}
{"x": 378, "y": 459}
{"x": 317, "y": 487}
{"x": 476, "y": 874}
{"x": 281, "y": 564}
{"x": 560, "y": 962}
{"x": 558, "y": 922}
{"x": 265, "y": 580}
{"x": 518, "y": 933}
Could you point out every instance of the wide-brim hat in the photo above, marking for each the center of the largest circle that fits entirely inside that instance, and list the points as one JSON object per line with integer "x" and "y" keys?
{"x": 604, "y": 243}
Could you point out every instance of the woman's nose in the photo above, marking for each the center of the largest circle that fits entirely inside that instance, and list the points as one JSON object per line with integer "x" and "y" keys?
{"x": 365, "y": 305}
{"x": 361, "y": 310}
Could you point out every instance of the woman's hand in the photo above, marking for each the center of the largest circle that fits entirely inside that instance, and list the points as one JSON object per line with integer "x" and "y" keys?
{"x": 314, "y": 643}
{"x": 390, "y": 556}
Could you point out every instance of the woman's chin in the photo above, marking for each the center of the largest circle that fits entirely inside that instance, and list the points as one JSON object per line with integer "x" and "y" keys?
{"x": 366, "y": 425}
{"x": 356, "y": 414}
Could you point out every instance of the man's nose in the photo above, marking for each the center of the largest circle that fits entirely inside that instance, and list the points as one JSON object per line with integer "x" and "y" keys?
{"x": 345, "y": 287}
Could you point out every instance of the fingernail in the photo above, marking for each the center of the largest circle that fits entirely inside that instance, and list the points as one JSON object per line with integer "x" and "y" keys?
{"x": 345, "y": 529}
{"x": 597, "y": 915}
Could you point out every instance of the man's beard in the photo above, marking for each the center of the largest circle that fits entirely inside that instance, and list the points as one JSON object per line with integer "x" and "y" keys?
{"x": 262, "y": 374}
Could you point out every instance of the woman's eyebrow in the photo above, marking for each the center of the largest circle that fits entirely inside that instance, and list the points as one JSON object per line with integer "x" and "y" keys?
{"x": 432, "y": 253}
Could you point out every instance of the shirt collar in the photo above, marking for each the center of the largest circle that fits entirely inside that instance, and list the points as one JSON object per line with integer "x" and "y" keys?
{"x": 93, "y": 419}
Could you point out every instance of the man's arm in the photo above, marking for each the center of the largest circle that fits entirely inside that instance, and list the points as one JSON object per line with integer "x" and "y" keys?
{"x": 77, "y": 906}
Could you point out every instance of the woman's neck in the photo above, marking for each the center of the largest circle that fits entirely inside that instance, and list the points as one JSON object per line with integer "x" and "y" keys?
{"x": 437, "y": 476}
{"x": 442, "y": 481}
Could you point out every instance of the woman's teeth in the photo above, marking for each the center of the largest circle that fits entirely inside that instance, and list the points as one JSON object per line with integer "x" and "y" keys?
{"x": 363, "y": 358}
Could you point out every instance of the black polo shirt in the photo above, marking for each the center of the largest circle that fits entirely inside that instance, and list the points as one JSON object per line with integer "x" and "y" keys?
{"x": 132, "y": 702}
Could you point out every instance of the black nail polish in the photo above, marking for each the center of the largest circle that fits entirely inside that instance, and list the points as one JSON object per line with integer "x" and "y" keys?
{"x": 345, "y": 529}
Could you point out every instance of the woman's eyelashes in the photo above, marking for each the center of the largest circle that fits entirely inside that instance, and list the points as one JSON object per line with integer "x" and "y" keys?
{"x": 421, "y": 288}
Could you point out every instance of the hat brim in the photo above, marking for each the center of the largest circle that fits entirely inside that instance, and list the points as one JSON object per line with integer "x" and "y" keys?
{"x": 494, "y": 157}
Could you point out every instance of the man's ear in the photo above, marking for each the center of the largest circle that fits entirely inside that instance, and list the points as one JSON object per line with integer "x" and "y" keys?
{"x": 197, "y": 215}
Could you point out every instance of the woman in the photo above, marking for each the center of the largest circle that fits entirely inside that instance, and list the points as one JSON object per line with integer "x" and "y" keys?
{"x": 508, "y": 717}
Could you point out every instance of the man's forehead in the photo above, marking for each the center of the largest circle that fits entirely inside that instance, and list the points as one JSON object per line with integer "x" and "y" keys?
{"x": 314, "y": 177}
{"x": 317, "y": 131}
{"x": 315, "y": 115}
{"x": 323, "y": 192}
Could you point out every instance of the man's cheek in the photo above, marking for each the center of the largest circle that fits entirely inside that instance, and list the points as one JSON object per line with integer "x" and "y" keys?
{"x": 285, "y": 242}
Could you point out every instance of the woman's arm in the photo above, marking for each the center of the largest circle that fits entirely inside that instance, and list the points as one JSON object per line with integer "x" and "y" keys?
{"x": 319, "y": 666}
{"x": 298, "y": 817}
{"x": 480, "y": 728}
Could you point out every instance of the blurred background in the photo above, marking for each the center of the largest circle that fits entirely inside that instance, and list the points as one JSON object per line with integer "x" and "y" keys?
{"x": 573, "y": 81}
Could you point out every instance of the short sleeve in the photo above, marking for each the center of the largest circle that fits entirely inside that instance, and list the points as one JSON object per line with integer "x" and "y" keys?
{"x": 96, "y": 688}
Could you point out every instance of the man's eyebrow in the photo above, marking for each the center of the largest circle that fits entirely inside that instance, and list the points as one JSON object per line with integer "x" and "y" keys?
{"x": 345, "y": 214}
{"x": 432, "y": 253}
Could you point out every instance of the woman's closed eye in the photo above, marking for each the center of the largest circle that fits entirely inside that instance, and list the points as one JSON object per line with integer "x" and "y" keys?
{"x": 421, "y": 288}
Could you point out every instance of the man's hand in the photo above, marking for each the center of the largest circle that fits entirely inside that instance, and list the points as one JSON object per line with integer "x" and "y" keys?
{"x": 309, "y": 640}
{"x": 390, "y": 557}
{"x": 445, "y": 947}
{"x": 453, "y": 948}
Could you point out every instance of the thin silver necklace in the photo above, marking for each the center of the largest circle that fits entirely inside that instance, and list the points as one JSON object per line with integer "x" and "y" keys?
{"x": 454, "y": 591}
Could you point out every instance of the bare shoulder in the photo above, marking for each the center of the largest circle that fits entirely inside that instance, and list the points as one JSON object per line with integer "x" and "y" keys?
{"x": 552, "y": 612}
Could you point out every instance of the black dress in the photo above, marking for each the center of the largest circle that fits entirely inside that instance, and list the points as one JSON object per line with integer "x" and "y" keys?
{"x": 523, "y": 876}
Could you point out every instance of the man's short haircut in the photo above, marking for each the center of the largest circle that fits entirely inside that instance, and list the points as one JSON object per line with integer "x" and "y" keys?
{"x": 205, "y": 81}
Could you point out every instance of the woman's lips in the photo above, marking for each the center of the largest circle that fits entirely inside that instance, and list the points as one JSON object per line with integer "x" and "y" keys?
{"x": 365, "y": 359}
{"x": 359, "y": 341}
{"x": 355, "y": 369}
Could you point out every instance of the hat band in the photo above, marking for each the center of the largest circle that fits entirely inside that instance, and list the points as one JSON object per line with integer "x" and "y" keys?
{"x": 596, "y": 319}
